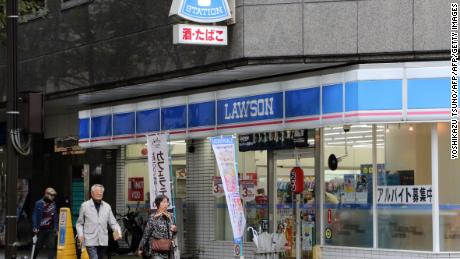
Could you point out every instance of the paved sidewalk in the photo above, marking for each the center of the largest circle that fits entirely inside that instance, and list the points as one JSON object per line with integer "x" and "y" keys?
{"x": 44, "y": 255}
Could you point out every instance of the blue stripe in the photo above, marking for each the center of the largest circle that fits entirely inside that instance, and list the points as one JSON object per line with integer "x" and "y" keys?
{"x": 173, "y": 118}
{"x": 303, "y": 102}
{"x": 365, "y": 206}
{"x": 405, "y": 206}
{"x": 101, "y": 126}
{"x": 148, "y": 121}
{"x": 373, "y": 95}
{"x": 449, "y": 206}
{"x": 84, "y": 128}
{"x": 428, "y": 93}
{"x": 123, "y": 123}
{"x": 201, "y": 114}
{"x": 332, "y": 98}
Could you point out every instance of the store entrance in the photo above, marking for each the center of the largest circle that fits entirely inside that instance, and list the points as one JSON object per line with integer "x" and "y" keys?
{"x": 295, "y": 214}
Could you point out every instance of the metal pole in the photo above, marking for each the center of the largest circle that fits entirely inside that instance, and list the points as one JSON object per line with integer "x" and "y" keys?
{"x": 375, "y": 242}
{"x": 12, "y": 166}
{"x": 435, "y": 187}
{"x": 271, "y": 191}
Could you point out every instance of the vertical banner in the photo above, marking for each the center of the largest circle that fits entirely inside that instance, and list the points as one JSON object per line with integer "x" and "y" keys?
{"x": 159, "y": 175}
{"x": 224, "y": 151}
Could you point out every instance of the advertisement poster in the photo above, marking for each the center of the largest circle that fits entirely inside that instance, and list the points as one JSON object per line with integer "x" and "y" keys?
{"x": 361, "y": 188}
{"x": 136, "y": 189}
{"x": 307, "y": 233}
{"x": 158, "y": 158}
{"x": 248, "y": 190}
{"x": 217, "y": 188}
{"x": 349, "y": 194}
{"x": 224, "y": 151}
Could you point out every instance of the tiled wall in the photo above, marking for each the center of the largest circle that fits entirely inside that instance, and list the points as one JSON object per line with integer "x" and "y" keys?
{"x": 328, "y": 252}
{"x": 200, "y": 210}
{"x": 121, "y": 181}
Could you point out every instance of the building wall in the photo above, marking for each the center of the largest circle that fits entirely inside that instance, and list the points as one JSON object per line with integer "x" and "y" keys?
{"x": 101, "y": 44}
{"x": 200, "y": 212}
{"x": 61, "y": 125}
{"x": 312, "y": 27}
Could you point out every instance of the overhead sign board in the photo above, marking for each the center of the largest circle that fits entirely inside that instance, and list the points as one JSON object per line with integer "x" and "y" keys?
{"x": 200, "y": 35}
{"x": 201, "y": 11}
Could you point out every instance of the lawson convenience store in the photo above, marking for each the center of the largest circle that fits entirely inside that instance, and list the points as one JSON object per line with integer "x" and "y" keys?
{"x": 396, "y": 139}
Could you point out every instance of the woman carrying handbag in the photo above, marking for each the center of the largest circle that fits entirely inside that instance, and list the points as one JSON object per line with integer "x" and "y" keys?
{"x": 158, "y": 233}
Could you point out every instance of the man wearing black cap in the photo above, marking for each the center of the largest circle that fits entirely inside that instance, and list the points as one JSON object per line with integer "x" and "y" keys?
{"x": 45, "y": 223}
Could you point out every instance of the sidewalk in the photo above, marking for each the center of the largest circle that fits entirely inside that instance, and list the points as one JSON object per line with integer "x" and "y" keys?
{"x": 44, "y": 255}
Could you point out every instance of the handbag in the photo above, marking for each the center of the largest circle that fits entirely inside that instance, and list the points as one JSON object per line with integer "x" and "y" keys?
{"x": 162, "y": 245}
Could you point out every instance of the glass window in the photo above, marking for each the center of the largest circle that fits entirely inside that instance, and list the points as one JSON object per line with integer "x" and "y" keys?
{"x": 252, "y": 170}
{"x": 348, "y": 188}
{"x": 449, "y": 193}
{"x": 404, "y": 188}
{"x": 137, "y": 173}
{"x": 285, "y": 217}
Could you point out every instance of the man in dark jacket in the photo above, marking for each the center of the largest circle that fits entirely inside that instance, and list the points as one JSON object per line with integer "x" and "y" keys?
{"x": 45, "y": 223}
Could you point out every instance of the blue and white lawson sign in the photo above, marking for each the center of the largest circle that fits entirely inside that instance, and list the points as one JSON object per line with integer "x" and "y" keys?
{"x": 201, "y": 11}
{"x": 244, "y": 109}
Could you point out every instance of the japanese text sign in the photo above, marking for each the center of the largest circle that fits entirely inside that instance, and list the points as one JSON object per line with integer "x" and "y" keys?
{"x": 404, "y": 194}
{"x": 202, "y": 35}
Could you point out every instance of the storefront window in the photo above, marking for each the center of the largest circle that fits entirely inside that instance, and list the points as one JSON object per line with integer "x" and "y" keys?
{"x": 285, "y": 161}
{"x": 449, "y": 193}
{"x": 252, "y": 169}
{"x": 348, "y": 187}
{"x": 137, "y": 179}
{"x": 404, "y": 188}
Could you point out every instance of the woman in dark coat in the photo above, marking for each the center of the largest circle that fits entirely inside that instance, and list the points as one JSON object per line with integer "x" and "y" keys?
{"x": 159, "y": 226}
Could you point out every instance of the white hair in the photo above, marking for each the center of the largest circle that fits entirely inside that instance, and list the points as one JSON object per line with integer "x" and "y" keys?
{"x": 93, "y": 188}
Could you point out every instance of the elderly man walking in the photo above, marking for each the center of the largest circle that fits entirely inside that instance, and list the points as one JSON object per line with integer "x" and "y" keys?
{"x": 95, "y": 215}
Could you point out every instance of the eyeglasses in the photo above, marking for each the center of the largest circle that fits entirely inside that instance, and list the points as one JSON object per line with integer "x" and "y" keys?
{"x": 51, "y": 194}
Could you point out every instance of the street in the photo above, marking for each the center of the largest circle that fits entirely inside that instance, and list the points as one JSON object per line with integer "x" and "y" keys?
{"x": 43, "y": 255}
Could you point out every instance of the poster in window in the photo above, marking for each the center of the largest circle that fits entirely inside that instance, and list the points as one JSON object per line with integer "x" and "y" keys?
{"x": 349, "y": 193}
{"x": 136, "y": 189}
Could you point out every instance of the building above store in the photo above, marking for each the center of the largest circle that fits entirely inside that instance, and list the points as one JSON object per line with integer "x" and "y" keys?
{"x": 175, "y": 84}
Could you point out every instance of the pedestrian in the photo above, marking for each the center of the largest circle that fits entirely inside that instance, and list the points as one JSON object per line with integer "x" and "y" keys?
{"x": 95, "y": 215}
{"x": 160, "y": 226}
{"x": 45, "y": 223}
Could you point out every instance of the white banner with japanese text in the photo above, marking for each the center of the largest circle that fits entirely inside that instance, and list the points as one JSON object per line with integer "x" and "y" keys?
{"x": 159, "y": 175}
{"x": 224, "y": 151}
{"x": 405, "y": 194}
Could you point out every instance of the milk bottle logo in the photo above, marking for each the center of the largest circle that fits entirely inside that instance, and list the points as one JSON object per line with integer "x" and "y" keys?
{"x": 201, "y": 11}
{"x": 204, "y": 3}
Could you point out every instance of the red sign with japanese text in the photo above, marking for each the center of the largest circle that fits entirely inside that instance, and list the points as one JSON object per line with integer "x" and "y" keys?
{"x": 197, "y": 34}
{"x": 136, "y": 189}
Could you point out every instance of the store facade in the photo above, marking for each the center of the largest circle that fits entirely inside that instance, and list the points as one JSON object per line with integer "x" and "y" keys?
{"x": 388, "y": 118}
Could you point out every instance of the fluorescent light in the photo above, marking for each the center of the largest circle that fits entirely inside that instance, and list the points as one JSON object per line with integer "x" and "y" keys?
{"x": 363, "y": 141}
{"x": 363, "y": 145}
{"x": 332, "y": 134}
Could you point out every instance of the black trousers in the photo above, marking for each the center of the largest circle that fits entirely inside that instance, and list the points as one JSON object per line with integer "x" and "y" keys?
{"x": 47, "y": 237}
{"x": 96, "y": 252}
